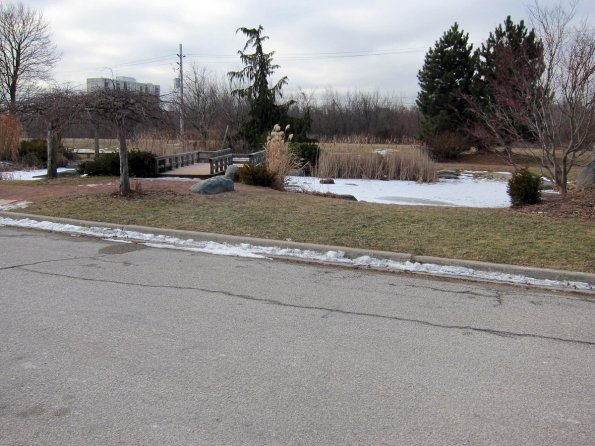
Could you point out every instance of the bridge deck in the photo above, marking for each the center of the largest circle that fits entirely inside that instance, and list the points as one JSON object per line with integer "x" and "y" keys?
{"x": 198, "y": 170}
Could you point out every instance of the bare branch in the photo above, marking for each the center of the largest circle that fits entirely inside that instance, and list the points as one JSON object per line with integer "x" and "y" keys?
{"x": 26, "y": 50}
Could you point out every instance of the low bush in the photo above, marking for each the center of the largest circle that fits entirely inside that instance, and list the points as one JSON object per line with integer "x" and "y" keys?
{"x": 140, "y": 164}
{"x": 106, "y": 164}
{"x": 33, "y": 152}
{"x": 524, "y": 187}
{"x": 447, "y": 145}
{"x": 257, "y": 175}
{"x": 411, "y": 165}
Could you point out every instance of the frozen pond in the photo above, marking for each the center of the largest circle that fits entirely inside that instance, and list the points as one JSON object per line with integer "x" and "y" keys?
{"x": 466, "y": 191}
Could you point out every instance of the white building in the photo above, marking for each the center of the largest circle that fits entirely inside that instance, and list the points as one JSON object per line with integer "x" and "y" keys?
{"x": 121, "y": 83}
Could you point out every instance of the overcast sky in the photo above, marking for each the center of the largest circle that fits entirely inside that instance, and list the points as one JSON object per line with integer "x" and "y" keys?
{"x": 319, "y": 44}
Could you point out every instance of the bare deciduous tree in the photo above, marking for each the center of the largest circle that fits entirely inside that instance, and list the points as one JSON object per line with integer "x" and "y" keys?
{"x": 124, "y": 109}
{"x": 57, "y": 108}
{"x": 558, "y": 109}
{"x": 201, "y": 101}
{"x": 26, "y": 50}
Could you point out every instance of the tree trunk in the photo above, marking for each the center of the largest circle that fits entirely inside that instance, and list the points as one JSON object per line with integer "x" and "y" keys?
{"x": 124, "y": 176}
{"x": 52, "y": 167}
{"x": 96, "y": 139}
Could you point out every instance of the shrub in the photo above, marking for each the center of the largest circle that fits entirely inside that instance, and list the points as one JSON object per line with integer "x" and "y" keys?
{"x": 524, "y": 188}
{"x": 257, "y": 175}
{"x": 306, "y": 154}
{"x": 33, "y": 152}
{"x": 106, "y": 164}
{"x": 10, "y": 134}
{"x": 140, "y": 164}
{"x": 447, "y": 145}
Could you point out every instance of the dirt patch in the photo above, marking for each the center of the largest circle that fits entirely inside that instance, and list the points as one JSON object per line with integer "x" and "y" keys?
{"x": 37, "y": 192}
{"x": 577, "y": 204}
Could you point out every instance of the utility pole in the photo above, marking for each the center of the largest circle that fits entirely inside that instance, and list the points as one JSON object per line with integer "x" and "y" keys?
{"x": 181, "y": 56}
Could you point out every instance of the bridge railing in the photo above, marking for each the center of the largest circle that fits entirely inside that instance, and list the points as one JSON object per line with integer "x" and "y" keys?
{"x": 170, "y": 162}
{"x": 220, "y": 160}
{"x": 258, "y": 157}
{"x": 217, "y": 159}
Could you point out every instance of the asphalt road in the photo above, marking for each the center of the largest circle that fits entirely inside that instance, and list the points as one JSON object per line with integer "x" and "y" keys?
{"x": 105, "y": 343}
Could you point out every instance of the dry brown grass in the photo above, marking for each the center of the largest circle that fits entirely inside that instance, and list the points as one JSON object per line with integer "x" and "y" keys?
{"x": 364, "y": 148}
{"x": 10, "y": 134}
{"x": 366, "y": 140}
{"x": 412, "y": 165}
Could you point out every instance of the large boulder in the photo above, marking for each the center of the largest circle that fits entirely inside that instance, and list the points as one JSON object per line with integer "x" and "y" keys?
{"x": 212, "y": 186}
{"x": 586, "y": 177}
{"x": 233, "y": 172}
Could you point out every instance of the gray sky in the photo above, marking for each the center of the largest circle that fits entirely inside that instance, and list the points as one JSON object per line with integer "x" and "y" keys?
{"x": 341, "y": 44}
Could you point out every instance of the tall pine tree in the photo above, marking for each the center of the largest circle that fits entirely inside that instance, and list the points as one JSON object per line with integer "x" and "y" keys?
{"x": 264, "y": 112}
{"x": 510, "y": 66}
{"x": 445, "y": 82}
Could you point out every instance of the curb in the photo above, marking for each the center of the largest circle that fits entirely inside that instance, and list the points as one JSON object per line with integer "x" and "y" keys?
{"x": 351, "y": 253}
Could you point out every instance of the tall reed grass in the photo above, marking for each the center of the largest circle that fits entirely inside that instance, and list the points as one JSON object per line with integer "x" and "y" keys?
{"x": 280, "y": 159}
{"x": 411, "y": 165}
{"x": 364, "y": 140}
{"x": 10, "y": 134}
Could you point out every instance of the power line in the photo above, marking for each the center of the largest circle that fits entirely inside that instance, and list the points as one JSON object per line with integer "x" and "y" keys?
{"x": 322, "y": 55}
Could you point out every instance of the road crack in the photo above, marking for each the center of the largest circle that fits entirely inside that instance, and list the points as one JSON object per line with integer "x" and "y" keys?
{"x": 326, "y": 310}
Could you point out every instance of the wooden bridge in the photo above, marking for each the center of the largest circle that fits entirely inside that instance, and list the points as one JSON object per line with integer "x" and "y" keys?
{"x": 203, "y": 164}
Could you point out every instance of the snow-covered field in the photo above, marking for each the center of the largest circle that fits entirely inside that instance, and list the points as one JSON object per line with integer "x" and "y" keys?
{"x": 467, "y": 191}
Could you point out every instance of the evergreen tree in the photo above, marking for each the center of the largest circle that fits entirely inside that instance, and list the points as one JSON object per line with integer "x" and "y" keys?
{"x": 510, "y": 66}
{"x": 264, "y": 112}
{"x": 445, "y": 81}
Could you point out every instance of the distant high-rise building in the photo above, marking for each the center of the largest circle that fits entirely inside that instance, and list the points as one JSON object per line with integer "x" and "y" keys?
{"x": 121, "y": 83}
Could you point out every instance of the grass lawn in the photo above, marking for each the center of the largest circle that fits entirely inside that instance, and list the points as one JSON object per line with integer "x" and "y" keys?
{"x": 492, "y": 235}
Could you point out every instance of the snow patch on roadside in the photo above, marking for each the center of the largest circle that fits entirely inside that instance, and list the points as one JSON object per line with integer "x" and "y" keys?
{"x": 256, "y": 251}
{"x": 7, "y": 205}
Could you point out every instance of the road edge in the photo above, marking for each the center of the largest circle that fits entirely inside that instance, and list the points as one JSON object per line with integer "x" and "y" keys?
{"x": 351, "y": 253}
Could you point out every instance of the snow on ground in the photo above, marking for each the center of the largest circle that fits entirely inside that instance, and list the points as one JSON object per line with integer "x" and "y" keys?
{"x": 7, "y": 205}
{"x": 30, "y": 174}
{"x": 467, "y": 191}
{"x": 255, "y": 251}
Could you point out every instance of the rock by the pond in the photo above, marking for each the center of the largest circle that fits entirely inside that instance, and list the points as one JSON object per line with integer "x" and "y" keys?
{"x": 233, "y": 172}
{"x": 448, "y": 174}
{"x": 327, "y": 181}
{"x": 586, "y": 177}
{"x": 212, "y": 186}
